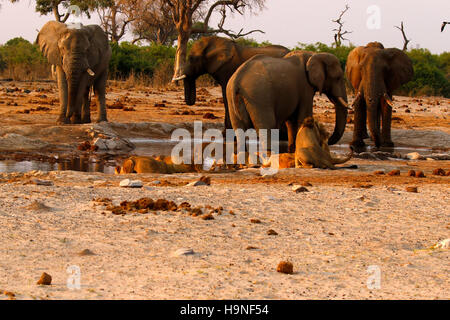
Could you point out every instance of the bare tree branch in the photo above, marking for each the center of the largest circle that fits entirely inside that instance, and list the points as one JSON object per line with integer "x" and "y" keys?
{"x": 339, "y": 35}
{"x": 405, "y": 39}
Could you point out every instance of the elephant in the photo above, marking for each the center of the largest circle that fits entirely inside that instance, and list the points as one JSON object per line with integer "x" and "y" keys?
{"x": 81, "y": 59}
{"x": 311, "y": 150}
{"x": 374, "y": 73}
{"x": 266, "y": 92}
{"x": 220, "y": 58}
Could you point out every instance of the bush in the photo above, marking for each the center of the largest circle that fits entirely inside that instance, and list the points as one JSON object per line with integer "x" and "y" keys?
{"x": 21, "y": 60}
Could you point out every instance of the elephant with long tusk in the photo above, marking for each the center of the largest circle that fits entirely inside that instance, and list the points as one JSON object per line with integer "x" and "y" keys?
{"x": 80, "y": 60}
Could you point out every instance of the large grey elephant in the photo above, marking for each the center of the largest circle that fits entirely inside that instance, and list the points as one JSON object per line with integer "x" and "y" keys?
{"x": 81, "y": 58}
{"x": 266, "y": 92}
{"x": 375, "y": 72}
{"x": 220, "y": 58}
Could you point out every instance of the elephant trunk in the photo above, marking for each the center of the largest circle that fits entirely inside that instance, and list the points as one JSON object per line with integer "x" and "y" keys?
{"x": 340, "y": 105}
{"x": 190, "y": 94}
{"x": 76, "y": 81}
{"x": 373, "y": 96}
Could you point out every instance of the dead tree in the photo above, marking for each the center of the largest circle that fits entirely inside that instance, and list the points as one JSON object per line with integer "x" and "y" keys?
{"x": 339, "y": 35}
{"x": 405, "y": 39}
{"x": 443, "y": 25}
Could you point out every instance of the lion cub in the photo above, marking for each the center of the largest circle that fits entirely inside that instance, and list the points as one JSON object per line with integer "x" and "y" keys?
{"x": 311, "y": 148}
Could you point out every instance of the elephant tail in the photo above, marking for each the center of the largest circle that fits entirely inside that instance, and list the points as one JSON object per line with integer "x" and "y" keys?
{"x": 237, "y": 105}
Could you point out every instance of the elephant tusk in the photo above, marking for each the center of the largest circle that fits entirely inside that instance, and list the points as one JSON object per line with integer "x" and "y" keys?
{"x": 91, "y": 73}
{"x": 388, "y": 100}
{"x": 179, "y": 78}
{"x": 342, "y": 102}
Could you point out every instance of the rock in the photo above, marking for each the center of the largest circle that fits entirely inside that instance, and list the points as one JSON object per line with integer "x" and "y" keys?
{"x": 45, "y": 279}
{"x": 255, "y": 220}
{"x": 251, "y": 248}
{"x": 127, "y": 183}
{"x": 411, "y": 173}
{"x": 411, "y": 189}
{"x": 272, "y": 232}
{"x": 414, "y": 156}
{"x": 206, "y": 180}
{"x": 183, "y": 252}
{"x": 207, "y": 216}
{"x": 156, "y": 182}
{"x": 197, "y": 183}
{"x": 420, "y": 174}
{"x": 362, "y": 185}
{"x": 285, "y": 267}
{"x": 38, "y": 206}
{"x": 444, "y": 244}
{"x": 42, "y": 182}
{"x": 298, "y": 189}
{"x": 100, "y": 144}
{"x": 439, "y": 172}
{"x": 394, "y": 173}
{"x": 86, "y": 252}
{"x": 379, "y": 172}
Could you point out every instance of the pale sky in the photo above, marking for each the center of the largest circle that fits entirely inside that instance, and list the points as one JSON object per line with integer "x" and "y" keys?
{"x": 288, "y": 22}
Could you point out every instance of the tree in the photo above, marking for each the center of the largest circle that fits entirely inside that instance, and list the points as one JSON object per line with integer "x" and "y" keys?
{"x": 185, "y": 12}
{"x": 117, "y": 15}
{"x": 154, "y": 24}
{"x": 339, "y": 35}
{"x": 405, "y": 39}
{"x": 45, "y": 7}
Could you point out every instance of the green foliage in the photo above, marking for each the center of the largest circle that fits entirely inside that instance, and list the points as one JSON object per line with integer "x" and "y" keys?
{"x": 340, "y": 52}
{"x": 128, "y": 58}
{"x": 19, "y": 51}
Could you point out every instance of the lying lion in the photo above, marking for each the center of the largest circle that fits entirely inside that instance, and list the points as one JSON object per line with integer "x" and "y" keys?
{"x": 139, "y": 164}
{"x": 311, "y": 148}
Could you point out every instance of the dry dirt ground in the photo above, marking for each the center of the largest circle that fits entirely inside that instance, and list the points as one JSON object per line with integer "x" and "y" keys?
{"x": 347, "y": 222}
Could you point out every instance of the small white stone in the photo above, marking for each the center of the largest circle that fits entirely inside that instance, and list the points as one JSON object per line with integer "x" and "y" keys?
{"x": 196, "y": 183}
{"x": 127, "y": 183}
{"x": 444, "y": 244}
{"x": 183, "y": 252}
{"x": 414, "y": 156}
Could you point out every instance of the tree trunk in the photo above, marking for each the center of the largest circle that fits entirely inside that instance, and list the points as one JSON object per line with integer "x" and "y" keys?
{"x": 180, "y": 57}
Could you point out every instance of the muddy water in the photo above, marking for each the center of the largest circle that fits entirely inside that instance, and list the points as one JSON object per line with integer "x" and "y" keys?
{"x": 145, "y": 147}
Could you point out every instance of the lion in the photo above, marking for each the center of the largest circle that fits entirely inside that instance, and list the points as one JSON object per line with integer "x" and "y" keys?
{"x": 141, "y": 164}
{"x": 311, "y": 149}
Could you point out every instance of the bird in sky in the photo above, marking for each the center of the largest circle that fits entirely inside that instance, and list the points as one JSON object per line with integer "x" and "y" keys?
{"x": 443, "y": 25}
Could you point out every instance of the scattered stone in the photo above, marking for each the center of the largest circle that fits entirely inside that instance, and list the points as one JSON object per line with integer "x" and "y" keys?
{"x": 42, "y": 182}
{"x": 38, "y": 206}
{"x": 45, "y": 279}
{"x": 86, "y": 252}
{"x": 255, "y": 220}
{"x": 156, "y": 182}
{"x": 411, "y": 173}
{"x": 363, "y": 186}
{"x": 285, "y": 267}
{"x": 183, "y": 252}
{"x": 272, "y": 232}
{"x": 10, "y": 294}
{"x": 414, "y": 156}
{"x": 420, "y": 174}
{"x": 439, "y": 172}
{"x": 251, "y": 248}
{"x": 298, "y": 189}
{"x": 197, "y": 183}
{"x": 207, "y": 216}
{"x": 209, "y": 115}
{"x": 127, "y": 183}
{"x": 444, "y": 244}
{"x": 394, "y": 173}
{"x": 412, "y": 189}
{"x": 206, "y": 180}
{"x": 379, "y": 172}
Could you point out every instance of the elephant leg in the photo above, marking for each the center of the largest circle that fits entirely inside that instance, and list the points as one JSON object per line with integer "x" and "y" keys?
{"x": 386, "y": 114}
{"x": 292, "y": 132}
{"x": 86, "y": 108}
{"x": 76, "y": 117}
{"x": 63, "y": 98}
{"x": 360, "y": 128}
{"x": 227, "y": 122}
{"x": 100, "y": 96}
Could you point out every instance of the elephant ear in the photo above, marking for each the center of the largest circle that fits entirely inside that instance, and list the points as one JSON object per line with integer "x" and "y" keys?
{"x": 47, "y": 40}
{"x": 99, "y": 43}
{"x": 218, "y": 54}
{"x": 400, "y": 69}
{"x": 353, "y": 67}
{"x": 321, "y": 66}
{"x": 128, "y": 166}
